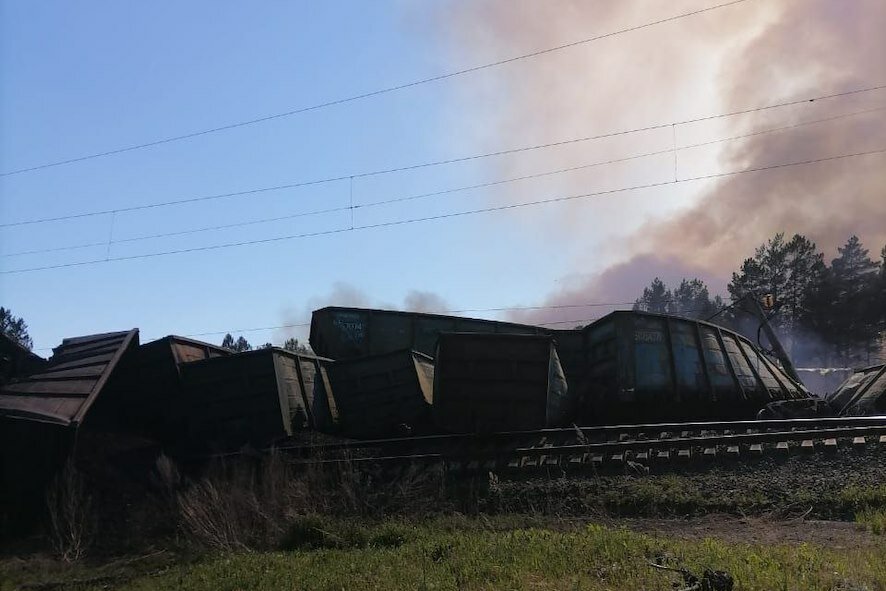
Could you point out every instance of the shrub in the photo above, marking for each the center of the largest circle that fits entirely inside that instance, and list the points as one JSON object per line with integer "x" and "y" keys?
{"x": 71, "y": 518}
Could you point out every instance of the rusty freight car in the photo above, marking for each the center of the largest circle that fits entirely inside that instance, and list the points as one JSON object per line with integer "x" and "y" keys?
{"x": 157, "y": 383}
{"x": 343, "y": 333}
{"x": 251, "y": 398}
{"x": 644, "y": 367}
{"x": 499, "y": 382}
{"x": 17, "y": 360}
{"x": 383, "y": 395}
{"x": 45, "y": 415}
{"x": 863, "y": 393}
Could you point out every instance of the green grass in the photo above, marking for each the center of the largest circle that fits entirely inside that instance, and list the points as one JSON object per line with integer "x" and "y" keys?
{"x": 679, "y": 495}
{"x": 873, "y": 519}
{"x": 461, "y": 553}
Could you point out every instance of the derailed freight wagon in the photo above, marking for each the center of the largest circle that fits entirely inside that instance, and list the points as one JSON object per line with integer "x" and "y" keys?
{"x": 17, "y": 360}
{"x": 45, "y": 417}
{"x": 253, "y": 398}
{"x": 383, "y": 395}
{"x": 644, "y": 367}
{"x": 157, "y": 383}
{"x": 344, "y": 333}
{"x": 499, "y": 382}
{"x": 863, "y": 393}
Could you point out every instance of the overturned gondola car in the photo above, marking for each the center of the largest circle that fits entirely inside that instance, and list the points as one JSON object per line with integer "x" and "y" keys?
{"x": 48, "y": 417}
{"x": 255, "y": 398}
{"x": 863, "y": 393}
{"x": 16, "y": 360}
{"x": 643, "y": 367}
{"x": 499, "y": 382}
{"x": 347, "y": 333}
{"x": 156, "y": 384}
{"x": 344, "y": 333}
{"x": 383, "y": 395}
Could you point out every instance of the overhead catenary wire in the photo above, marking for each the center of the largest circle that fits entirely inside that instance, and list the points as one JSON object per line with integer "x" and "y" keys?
{"x": 456, "y": 160}
{"x": 352, "y": 206}
{"x": 499, "y": 208}
{"x": 374, "y": 93}
{"x": 478, "y": 310}
{"x": 574, "y": 321}
{"x": 306, "y": 324}
{"x": 461, "y": 311}
{"x": 474, "y": 310}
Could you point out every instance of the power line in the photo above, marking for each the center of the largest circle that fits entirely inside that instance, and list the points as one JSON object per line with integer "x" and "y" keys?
{"x": 474, "y": 310}
{"x": 462, "y": 311}
{"x": 441, "y": 192}
{"x": 444, "y": 216}
{"x": 366, "y": 95}
{"x": 348, "y": 177}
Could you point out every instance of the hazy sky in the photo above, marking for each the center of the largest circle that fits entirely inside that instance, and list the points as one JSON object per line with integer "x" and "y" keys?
{"x": 86, "y": 77}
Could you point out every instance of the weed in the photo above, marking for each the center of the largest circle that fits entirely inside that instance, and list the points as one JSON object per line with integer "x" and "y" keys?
{"x": 434, "y": 556}
{"x": 71, "y": 518}
{"x": 873, "y": 519}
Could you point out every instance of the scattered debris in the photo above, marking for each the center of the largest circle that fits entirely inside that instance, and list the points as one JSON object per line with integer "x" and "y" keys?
{"x": 710, "y": 580}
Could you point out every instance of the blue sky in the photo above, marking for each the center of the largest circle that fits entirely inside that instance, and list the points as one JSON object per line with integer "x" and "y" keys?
{"x": 86, "y": 77}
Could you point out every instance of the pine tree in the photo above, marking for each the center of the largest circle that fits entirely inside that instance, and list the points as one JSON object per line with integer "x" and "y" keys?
{"x": 655, "y": 298}
{"x": 239, "y": 345}
{"x": 805, "y": 274}
{"x": 693, "y": 300}
{"x": 15, "y": 328}
{"x": 793, "y": 272}
{"x": 293, "y": 345}
{"x": 854, "y": 304}
{"x": 690, "y": 299}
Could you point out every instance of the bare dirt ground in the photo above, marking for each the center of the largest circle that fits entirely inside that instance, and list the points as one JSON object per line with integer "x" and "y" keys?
{"x": 753, "y": 530}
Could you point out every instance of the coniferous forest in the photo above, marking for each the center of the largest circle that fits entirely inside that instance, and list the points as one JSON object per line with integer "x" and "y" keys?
{"x": 828, "y": 313}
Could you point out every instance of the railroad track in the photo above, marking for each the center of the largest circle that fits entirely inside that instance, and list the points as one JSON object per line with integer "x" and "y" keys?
{"x": 611, "y": 447}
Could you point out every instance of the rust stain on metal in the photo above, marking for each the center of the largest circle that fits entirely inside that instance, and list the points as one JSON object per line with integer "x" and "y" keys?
{"x": 71, "y": 381}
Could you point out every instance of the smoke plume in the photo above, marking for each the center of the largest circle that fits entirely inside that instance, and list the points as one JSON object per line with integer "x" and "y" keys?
{"x": 344, "y": 294}
{"x": 746, "y": 55}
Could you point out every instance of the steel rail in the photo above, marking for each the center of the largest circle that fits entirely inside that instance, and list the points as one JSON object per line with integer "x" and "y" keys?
{"x": 586, "y": 431}
{"x": 613, "y": 447}
{"x": 709, "y": 440}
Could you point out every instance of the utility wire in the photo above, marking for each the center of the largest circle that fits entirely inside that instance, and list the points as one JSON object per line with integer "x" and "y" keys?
{"x": 506, "y": 309}
{"x": 373, "y": 93}
{"x": 726, "y": 307}
{"x": 441, "y": 192}
{"x": 393, "y": 223}
{"x": 463, "y": 311}
{"x": 348, "y": 177}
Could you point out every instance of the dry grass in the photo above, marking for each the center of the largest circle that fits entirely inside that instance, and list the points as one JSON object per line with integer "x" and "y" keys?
{"x": 873, "y": 519}
{"x": 70, "y": 513}
{"x": 256, "y": 504}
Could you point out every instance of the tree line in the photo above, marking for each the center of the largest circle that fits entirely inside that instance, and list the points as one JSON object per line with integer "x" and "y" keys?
{"x": 826, "y": 314}
{"x": 240, "y": 344}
